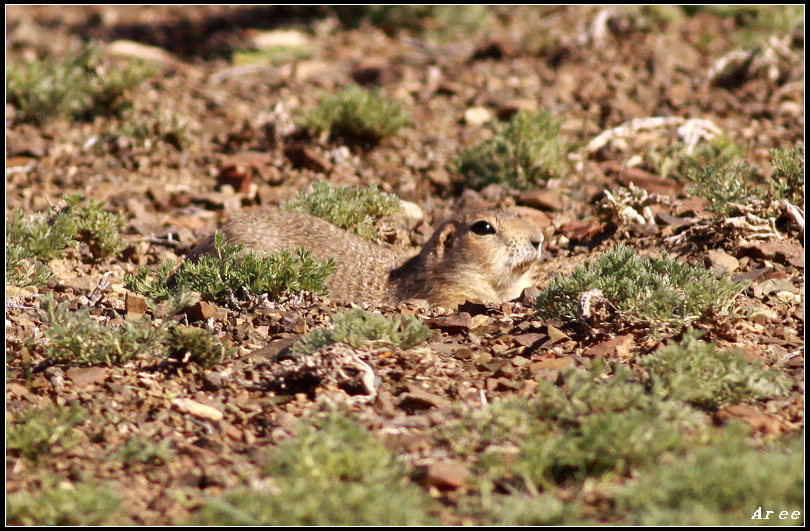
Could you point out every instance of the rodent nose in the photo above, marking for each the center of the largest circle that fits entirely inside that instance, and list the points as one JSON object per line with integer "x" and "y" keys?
{"x": 537, "y": 241}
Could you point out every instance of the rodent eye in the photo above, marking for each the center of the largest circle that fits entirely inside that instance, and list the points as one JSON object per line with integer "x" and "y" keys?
{"x": 482, "y": 227}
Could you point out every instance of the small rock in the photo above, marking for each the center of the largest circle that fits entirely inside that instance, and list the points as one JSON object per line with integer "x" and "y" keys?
{"x": 619, "y": 346}
{"x": 721, "y": 262}
{"x": 196, "y": 409}
{"x": 204, "y": 310}
{"x": 135, "y": 305}
{"x": 451, "y": 323}
{"x": 507, "y": 110}
{"x": 288, "y": 38}
{"x": 527, "y": 340}
{"x": 304, "y": 156}
{"x": 446, "y": 475}
{"x": 541, "y": 198}
{"x": 556, "y": 335}
{"x": 477, "y": 115}
{"x": 418, "y": 398}
{"x": 132, "y": 49}
{"x": 83, "y": 377}
{"x": 777, "y": 251}
{"x": 555, "y": 364}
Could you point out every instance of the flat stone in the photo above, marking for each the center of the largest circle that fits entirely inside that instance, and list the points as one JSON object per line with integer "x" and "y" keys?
{"x": 186, "y": 405}
{"x": 86, "y": 376}
{"x": 619, "y": 346}
{"x": 446, "y": 475}
{"x": 721, "y": 262}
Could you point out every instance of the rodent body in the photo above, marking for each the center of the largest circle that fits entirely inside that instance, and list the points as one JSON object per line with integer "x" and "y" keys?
{"x": 485, "y": 256}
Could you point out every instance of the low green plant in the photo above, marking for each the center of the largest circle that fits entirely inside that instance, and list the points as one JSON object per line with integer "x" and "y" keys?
{"x": 140, "y": 449}
{"x": 188, "y": 343}
{"x": 727, "y": 185}
{"x": 75, "y": 338}
{"x": 787, "y": 181}
{"x": 678, "y": 160}
{"x": 722, "y": 483}
{"x": 146, "y": 128}
{"x": 74, "y": 504}
{"x": 36, "y": 431}
{"x": 31, "y": 242}
{"x": 755, "y": 22}
{"x": 357, "y": 115}
{"x": 80, "y": 86}
{"x": 331, "y": 473}
{"x": 700, "y": 373}
{"x": 358, "y": 328}
{"x": 660, "y": 293}
{"x": 592, "y": 426}
{"x": 525, "y": 152}
{"x": 233, "y": 273}
{"x": 354, "y": 208}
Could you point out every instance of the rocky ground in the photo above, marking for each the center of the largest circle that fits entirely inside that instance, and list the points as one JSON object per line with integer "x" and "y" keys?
{"x": 232, "y": 145}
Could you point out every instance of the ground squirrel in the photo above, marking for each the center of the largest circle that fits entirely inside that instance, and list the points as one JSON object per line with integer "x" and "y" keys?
{"x": 485, "y": 256}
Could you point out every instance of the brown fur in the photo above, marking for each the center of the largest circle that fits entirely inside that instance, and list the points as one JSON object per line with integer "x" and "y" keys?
{"x": 455, "y": 265}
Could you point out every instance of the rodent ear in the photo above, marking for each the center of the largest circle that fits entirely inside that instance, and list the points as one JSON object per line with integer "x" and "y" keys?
{"x": 443, "y": 239}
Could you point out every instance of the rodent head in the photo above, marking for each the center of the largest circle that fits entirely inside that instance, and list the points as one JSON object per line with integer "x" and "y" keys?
{"x": 485, "y": 256}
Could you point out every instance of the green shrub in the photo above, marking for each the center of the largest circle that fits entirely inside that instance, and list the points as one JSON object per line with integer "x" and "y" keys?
{"x": 75, "y": 338}
{"x": 334, "y": 473}
{"x": 524, "y": 153}
{"x": 35, "y": 432}
{"x": 80, "y": 87}
{"x": 592, "y": 426}
{"x": 357, "y": 328}
{"x": 722, "y": 483}
{"x": 77, "y": 504}
{"x": 698, "y": 372}
{"x": 787, "y": 181}
{"x": 676, "y": 159}
{"x": 659, "y": 293}
{"x": 354, "y": 208}
{"x": 726, "y": 185}
{"x": 30, "y": 242}
{"x": 357, "y": 115}
{"x": 233, "y": 273}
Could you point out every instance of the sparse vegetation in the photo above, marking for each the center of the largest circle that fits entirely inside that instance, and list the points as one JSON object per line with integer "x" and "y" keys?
{"x": 357, "y": 328}
{"x": 525, "y": 152}
{"x": 726, "y": 185}
{"x": 233, "y": 274}
{"x": 75, "y": 338}
{"x": 81, "y": 86}
{"x": 65, "y": 503}
{"x": 333, "y": 473}
{"x": 139, "y": 449}
{"x": 35, "y": 433}
{"x": 698, "y": 372}
{"x": 787, "y": 181}
{"x": 722, "y": 483}
{"x": 662, "y": 293}
{"x": 357, "y": 115}
{"x": 677, "y": 161}
{"x": 354, "y": 208}
{"x": 31, "y": 242}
